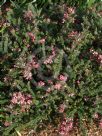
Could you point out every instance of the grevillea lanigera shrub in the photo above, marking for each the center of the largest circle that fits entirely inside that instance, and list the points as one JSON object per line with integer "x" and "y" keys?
{"x": 50, "y": 67}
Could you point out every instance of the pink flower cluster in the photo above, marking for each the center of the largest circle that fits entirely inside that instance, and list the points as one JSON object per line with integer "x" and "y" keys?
{"x": 21, "y": 99}
{"x": 96, "y": 56}
{"x": 28, "y": 15}
{"x": 71, "y": 10}
{"x": 7, "y": 124}
{"x": 72, "y": 34}
{"x": 50, "y": 82}
{"x": 48, "y": 90}
{"x": 49, "y": 60}
{"x": 42, "y": 41}
{"x": 33, "y": 64}
{"x": 66, "y": 126}
{"x": 31, "y": 36}
{"x": 67, "y": 13}
{"x": 63, "y": 78}
{"x": 57, "y": 86}
{"x": 78, "y": 82}
{"x": 41, "y": 83}
{"x": 27, "y": 73}
{"x": 95, "y": 116}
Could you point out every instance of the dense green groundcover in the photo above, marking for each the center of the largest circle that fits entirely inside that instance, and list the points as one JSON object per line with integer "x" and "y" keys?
{"x": 40, "y": 3}
{"x": 50, "y": 66}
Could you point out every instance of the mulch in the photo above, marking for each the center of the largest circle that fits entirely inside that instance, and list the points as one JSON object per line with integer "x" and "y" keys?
{"x": 52, "y": 131}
